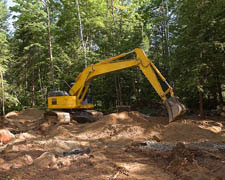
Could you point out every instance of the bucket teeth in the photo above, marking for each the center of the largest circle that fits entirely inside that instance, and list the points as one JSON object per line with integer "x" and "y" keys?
{"x": 174, "y": 108}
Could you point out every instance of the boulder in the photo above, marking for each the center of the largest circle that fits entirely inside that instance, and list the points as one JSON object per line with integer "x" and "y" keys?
{"x": 46, "y": 160}
{"x": 12, "y": 114}
{"x": 5, "y": 166}
{"x": 6, "y": 136}
{"x": 22, "y": 161}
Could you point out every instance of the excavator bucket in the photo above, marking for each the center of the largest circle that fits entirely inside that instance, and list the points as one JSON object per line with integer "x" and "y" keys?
{"x": 174, "y": 108}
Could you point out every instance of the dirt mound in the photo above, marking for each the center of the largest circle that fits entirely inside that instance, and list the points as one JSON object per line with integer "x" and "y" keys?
{"x": 32, "y": 112}
{"x": 186, "y": 163}
{"x": 47, "y": 151}
{"x": 189, "y": 132}
{"x": 125, "y": 124}
{"x": 28, "y": 114}
{"x": 24, "y": 120}
{"x": 60, "y": 131}
{"x": 137, "y": 126}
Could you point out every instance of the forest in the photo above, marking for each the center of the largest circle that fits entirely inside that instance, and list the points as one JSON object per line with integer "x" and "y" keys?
{"x": 46, "y": 44}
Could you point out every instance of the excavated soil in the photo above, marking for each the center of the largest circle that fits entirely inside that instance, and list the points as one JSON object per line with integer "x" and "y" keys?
{"x": 121, "y": 146}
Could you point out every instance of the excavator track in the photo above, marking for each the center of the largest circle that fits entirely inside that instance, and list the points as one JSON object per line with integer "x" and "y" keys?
{"x": 82, "y": 116}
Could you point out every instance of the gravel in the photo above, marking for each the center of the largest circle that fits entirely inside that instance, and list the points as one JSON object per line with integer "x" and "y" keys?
{"x": 157, "y": 146}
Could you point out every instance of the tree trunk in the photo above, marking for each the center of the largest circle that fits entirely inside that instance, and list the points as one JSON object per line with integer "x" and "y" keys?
{"x": 135, "y": 92}
{"x": 39, "y": 76}
{"x": 3, "y": 94}
{"x": 26, "y": 81}
{"x": 81, "y": 33}
{"x": 219, "y": 90}
{"x": 50, "y": 45}
{"x": 33, "y": 89}
{"x": 201, "y": 109}
{"x": 118, "y": 91}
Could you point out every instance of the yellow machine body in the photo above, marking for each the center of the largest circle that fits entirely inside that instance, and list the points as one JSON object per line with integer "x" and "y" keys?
{"x": 79, "y": 89}
{"x": 66, "y": 102}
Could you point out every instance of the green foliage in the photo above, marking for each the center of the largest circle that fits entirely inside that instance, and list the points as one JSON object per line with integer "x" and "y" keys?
{"x": 5, "y": 57}
{"x": 3, "y": 15}
{"x": 185, "y": 40}
{"x": 199, "y": 48}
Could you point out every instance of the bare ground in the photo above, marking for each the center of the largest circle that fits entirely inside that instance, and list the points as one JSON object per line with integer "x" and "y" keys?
{"x": 112, "y": 148}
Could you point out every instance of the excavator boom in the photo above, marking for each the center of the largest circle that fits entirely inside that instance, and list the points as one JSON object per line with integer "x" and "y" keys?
{"x": 79, "y": 89}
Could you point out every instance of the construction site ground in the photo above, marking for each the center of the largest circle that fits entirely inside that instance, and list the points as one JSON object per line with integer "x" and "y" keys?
{"x": 120, "y": 146}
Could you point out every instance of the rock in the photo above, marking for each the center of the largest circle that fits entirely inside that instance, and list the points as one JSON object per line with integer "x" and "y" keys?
{"x": 24, "y": 136}
{"x": 12, "y": 114}
{"x": 22, "y": 161}
{"x": 5, "y": 166}
{"x": 59, "y": 146}
{"x": 6, "y": 136}
{"x": 46, "y": 160}
{"x": 6, "y": 148}
{"x": 2, "y": 161}
{"x": 45, "y": 126}
{"x": 64, "y": 161}
{"x": 155, "y": 138}
{"x": 77, "y": 151}
{"x": 27, "y": 159}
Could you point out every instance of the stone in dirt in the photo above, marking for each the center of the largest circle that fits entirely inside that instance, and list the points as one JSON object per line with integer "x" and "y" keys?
{"x": 22, "y": 161}
{"x": 4, "y": 165}
{"x": 6, "y": 136}
{"x": 12, "y": 114}
{"x": 46, "y": 160}
{"x": 2, "y": 160}
{"x": 77, "y": 152}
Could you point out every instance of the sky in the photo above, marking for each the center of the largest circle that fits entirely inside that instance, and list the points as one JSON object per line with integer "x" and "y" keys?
{"x": 10, "y": 3}
{"x": 10, "y": 20}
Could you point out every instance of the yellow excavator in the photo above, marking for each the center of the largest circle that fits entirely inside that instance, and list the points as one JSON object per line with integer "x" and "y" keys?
{"x": 72, "y": 105}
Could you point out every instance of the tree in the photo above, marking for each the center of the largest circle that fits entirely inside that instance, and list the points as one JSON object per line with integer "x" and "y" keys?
{"x": 200, "y": 50}
{"x": 30, "y": 48}
{"x": 8, "y": 100}
{"x": 3, "y": 51}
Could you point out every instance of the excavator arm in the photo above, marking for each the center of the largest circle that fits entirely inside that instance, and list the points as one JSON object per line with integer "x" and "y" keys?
{"x": 79, "y": 89}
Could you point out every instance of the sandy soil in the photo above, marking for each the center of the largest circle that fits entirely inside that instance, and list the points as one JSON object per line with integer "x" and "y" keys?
{"x": 110, "y": 148}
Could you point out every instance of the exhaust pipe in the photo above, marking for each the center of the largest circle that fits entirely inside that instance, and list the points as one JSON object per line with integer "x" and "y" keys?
{"x": 174, "y": 108}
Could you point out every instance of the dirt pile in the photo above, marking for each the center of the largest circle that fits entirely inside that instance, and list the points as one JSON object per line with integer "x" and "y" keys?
{"x": 126, "y": 125}
{"x": 191, "y": 131}
{"x": 191, "y": 163}
{"x": 44, "y": 149}
{"x": 24, "y": 120}
{"x": 137, "y": 126}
